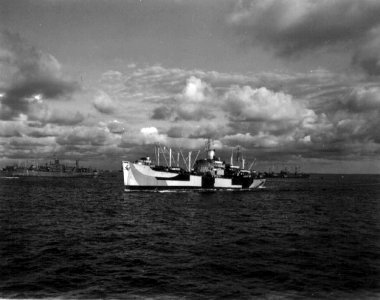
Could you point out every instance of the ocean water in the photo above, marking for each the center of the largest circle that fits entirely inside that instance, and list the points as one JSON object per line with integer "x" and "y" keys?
{"x": 316, "y": 238}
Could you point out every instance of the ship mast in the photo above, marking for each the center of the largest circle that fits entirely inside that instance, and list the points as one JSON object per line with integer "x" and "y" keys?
{"x": 170, "y": 157}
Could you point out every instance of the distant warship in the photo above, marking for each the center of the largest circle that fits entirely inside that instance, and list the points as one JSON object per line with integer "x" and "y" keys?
{"x": 51, "y": 169}
{"x": 285, "y": 173}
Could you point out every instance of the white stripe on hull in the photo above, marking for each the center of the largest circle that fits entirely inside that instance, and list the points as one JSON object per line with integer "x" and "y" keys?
{"x": 143, "y": 175}
{"x": 225, "y": 183}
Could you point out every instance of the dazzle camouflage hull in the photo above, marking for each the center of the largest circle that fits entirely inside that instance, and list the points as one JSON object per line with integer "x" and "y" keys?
{"x": 144, "y": 177}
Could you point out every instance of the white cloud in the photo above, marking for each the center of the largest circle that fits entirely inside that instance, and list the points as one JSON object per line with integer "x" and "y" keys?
{"x": 195, "y": 90}
{"x": 150, "y": 135}
{"x": 149, "y": 131}
{"x": 245, "y": 103}
{"x": 306, "y": 139}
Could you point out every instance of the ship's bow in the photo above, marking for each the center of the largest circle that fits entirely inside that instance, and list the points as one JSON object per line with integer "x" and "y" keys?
{"x": 126, "y": 172}
{"x": 257, "y": 183}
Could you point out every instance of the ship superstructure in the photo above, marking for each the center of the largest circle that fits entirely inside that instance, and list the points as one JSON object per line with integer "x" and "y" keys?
{"x": 207, "y": 173}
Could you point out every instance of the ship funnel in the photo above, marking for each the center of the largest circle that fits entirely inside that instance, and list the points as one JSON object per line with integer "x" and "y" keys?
{"x": 211, "y": 154}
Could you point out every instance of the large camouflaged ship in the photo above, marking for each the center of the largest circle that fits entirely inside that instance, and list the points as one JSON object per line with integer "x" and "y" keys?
{"x": 209, "y": 173}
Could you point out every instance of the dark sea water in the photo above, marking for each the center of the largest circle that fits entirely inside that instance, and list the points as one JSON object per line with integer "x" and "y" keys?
{"x": 313, "y": 238}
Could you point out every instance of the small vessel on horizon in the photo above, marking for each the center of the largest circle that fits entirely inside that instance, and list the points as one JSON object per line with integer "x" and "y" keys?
{"x": 285, "y": 173}
{"x": 49, "y": 169}
{"x": 209, "y": 173}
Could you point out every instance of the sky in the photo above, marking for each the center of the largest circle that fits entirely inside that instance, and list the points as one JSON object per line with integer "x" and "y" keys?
{"x": 291, "y": 82}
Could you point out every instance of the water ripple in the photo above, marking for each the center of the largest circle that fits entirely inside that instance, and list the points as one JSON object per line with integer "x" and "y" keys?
{"x": 296, "y": 239}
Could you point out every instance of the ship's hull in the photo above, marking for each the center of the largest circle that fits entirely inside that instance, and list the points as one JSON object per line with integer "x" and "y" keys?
{"x": 143, "y": 177}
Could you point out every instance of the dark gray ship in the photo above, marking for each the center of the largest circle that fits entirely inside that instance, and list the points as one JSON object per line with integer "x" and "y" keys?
{"x": 49, "y": 169}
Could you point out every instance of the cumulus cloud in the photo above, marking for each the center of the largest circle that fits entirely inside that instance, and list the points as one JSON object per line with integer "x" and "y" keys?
{"x": 27, "y": 73}
{"x": 116, "y": 127}
{"x": 84, "y": 136}
{"x": 150, "y": 135}
{"x": 247, "y": 104}
{"x": 178, "y": 132}
{"x": 41, "y": 112}
{"x": 244, "y": 109}
{"x": 149, "y": 131}
{"x": 191, "y": 104}
{"x": 200, "y": 130}
{"x": 142, "y": 136}
{"x": 293, "y": 27}
{"x": 362, "y": 99}
{"x": 103, "y": 103}
{"x": 318, "y": 114}
{"x": 196, "y": 90}
{"x": 257, "y": 116}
